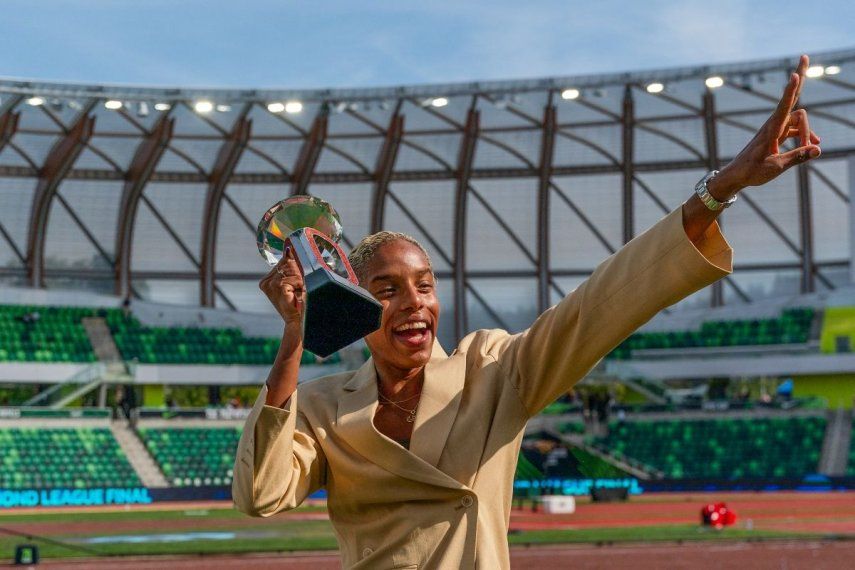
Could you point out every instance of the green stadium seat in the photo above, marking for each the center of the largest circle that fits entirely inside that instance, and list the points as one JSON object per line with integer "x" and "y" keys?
{"x": 793, "y": 326}
{"x": 45, "y": 458}
{"x": 193, "y": 456}
{"x": 722, "y": 449}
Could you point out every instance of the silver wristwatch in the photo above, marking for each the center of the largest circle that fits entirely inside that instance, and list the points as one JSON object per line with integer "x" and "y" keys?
{"x": 704, "y": 194}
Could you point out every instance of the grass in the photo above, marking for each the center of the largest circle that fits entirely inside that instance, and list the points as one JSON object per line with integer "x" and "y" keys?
{"x": 283, "y": 535}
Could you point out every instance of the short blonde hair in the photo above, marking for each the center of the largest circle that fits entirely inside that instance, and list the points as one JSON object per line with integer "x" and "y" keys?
{"x": 364, "y": 251}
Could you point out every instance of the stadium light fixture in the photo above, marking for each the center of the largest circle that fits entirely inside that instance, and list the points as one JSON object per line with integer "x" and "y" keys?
{"x": 832, "y": 70}
{"x": 570, "y": 94}
{"x": 203, "y": 106}
{"x": 439, "y": 102}
{"x": 655, "y": 88}
{"x": 714, "y": 82}
{"x": 815, "y": 71}
{"x": 36, "y": 101}
{"x": 142, "y": 109}
{"x": 276, "y": 107}
{"x": 113, "y": 104}
{"x": 162, "y": 106}
{"x": 292, "y": 107}
{"x": 224, "y": 108}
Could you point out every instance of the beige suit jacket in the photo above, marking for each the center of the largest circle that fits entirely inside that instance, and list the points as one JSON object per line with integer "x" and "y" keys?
{"x": 445, "y": 502}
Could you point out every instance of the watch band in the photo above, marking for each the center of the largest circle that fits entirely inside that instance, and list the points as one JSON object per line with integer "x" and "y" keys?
{"x": 704, "y": 194}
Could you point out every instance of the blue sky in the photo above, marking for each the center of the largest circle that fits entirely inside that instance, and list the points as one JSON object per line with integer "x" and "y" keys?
{"x": 317, "y": 43}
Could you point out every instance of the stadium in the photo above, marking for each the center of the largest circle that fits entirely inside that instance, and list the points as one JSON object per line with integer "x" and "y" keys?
{"x": 135, "y": 337}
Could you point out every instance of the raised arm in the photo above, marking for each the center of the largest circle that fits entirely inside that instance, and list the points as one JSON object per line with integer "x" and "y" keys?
{"x": 279, "y": 462}
{"x": 678, "y": 256}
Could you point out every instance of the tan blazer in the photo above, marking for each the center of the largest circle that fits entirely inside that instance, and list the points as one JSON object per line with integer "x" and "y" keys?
{"x": 445, "y": 502}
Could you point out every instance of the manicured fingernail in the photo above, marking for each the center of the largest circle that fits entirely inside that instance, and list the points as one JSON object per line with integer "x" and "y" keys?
{"x": 814, "y": 152}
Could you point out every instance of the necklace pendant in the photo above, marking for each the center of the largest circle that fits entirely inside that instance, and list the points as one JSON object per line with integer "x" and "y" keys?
{"x": 412, "y": 417}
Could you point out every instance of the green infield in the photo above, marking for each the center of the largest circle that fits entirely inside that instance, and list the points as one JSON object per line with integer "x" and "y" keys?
{"x": 222, "y": 531}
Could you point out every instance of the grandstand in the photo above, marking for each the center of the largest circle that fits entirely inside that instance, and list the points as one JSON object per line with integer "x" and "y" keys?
{"x": 128, "y": 258}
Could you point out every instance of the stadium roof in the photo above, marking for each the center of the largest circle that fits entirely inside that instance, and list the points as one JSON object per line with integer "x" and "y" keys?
{"x": 517, "y": 188}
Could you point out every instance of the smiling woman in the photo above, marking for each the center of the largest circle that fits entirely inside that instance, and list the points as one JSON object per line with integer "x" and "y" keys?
{"x": 417, "y": 449}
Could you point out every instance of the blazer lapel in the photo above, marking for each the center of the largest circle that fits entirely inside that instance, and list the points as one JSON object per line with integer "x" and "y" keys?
{"x": 355, "y": 422}
{"x": 438, "y": 405}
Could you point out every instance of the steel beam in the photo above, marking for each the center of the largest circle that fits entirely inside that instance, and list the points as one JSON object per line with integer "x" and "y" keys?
{"x": 385, "y": 167}
{"x": 309, "y": 154}
{"x": 547, "y": 148}
{"x": 8, "y": 127}
{"x": 57, "y": 164}
{"x": 142, "y": 167}
{"x": 464, "y": 172}
{"x": 713, "y": 163}
{"x": 227, "y": 159}
{"x": 806, "y": 230}
{"x": 627, "y": 121}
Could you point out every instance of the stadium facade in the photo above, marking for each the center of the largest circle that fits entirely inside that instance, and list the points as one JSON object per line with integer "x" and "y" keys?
{"x": 518, "y": 189}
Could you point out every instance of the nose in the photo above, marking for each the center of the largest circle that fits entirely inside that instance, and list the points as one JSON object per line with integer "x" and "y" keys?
{"x": 412, "y": 299}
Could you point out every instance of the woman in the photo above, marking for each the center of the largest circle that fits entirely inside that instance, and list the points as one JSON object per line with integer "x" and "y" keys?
{"x": 417, "y": 449}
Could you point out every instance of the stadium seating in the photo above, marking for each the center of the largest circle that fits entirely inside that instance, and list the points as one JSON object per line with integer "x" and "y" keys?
{"x": 193, "y": 456}
{"x": 726, "y": 449}
{"x": 44, "y": 334}
{"x": 793, "y": 326}
{"x": 82, "y": 458}
{"x": 192, "y": 345}
{"x": 850, "y": 466}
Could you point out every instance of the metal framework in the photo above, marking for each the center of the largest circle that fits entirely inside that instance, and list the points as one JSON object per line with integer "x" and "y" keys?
{"x": 516, "y": 191}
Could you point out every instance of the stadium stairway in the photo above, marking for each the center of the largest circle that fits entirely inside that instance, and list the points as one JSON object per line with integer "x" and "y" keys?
{"x": 138, "y": 456}
{"x": 835, "y": 447}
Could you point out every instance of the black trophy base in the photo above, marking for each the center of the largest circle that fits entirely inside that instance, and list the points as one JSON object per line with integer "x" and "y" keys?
{"x": 337, "y": 313}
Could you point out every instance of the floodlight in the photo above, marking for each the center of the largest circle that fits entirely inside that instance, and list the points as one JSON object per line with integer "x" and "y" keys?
{"x": 36, "y": 101}
{"x": 224, "y": 108}
{"x": 714, "y": 82}
{"x": 162, "y": 106}
{"x": 276, "y": 107}
{"x": 832, "y": 70}
{"x": 293, "y": 107}
{"x": 203, "y": 106}
{"x": 439, "y": 102}
{"x": 113, "y": 104}
{"x": 815, "y": 71}
{"x": 655, "y": 88}
{"x": 142, "y": 109}
{"x": 570, "y": 94}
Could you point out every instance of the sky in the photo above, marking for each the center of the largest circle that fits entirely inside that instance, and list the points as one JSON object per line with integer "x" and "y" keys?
{"x": 359, "y": 43}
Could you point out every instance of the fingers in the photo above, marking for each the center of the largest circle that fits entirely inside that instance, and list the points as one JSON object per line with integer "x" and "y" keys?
{"x": 798, "y": 156}
{"x": 799, "y": 120}
{"x": 788, "y": 99}
{"x": 801, "y": 70}
{"x": 798, "y": 127}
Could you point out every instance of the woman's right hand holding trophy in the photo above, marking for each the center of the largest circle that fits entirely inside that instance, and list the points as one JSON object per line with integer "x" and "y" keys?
{"x": 286, "y": 291}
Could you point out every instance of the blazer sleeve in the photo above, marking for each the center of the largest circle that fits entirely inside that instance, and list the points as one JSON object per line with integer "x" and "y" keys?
{"x": 278, "y": 461}
{"x": 651, "y": 272}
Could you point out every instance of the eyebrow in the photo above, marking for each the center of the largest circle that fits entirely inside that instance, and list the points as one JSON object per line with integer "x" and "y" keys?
{"x": 389, "y": 277}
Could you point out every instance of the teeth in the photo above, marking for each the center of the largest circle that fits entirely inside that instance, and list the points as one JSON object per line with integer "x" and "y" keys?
{"x": 409, "y": 326}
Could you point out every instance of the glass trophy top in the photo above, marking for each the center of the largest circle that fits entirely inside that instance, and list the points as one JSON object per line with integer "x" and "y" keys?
{"x": 331, "y": 256}
{"x": 290, "y": 215}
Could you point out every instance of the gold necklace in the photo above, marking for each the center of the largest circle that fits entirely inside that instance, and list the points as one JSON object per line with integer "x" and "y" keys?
{"x": 411, "y": 414}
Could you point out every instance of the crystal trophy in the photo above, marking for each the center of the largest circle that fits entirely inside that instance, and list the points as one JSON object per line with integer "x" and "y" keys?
{"x": 338, "y": 311}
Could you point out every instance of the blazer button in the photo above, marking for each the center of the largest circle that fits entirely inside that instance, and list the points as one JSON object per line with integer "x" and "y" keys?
{"x": 467, "y": 501}
{"x": 366, "y": 552}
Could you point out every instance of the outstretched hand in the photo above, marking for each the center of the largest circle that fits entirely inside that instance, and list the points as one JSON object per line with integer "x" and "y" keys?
{"x": 762, "y": 160}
